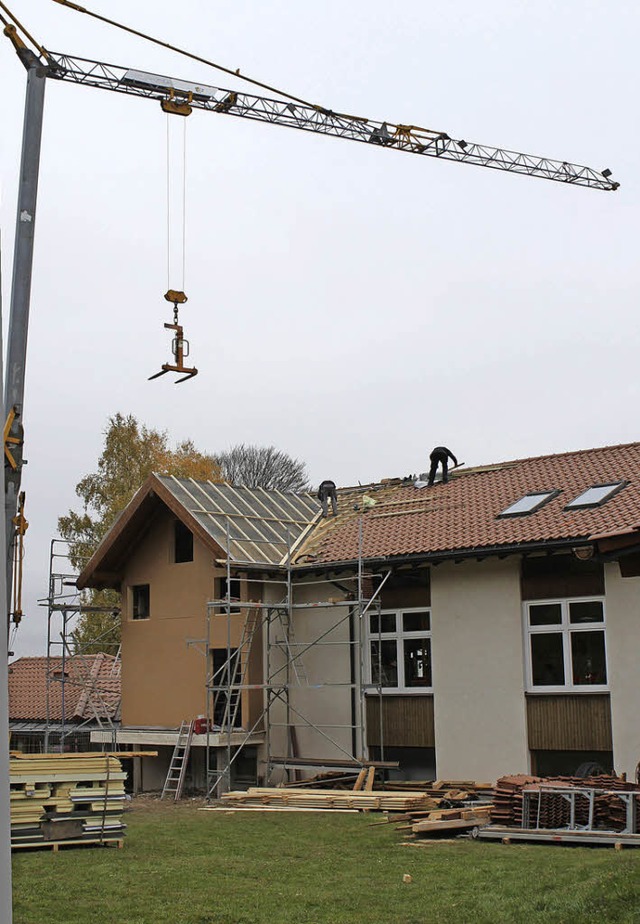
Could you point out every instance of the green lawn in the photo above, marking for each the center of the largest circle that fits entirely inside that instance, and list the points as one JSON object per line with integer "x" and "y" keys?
{"x": 183, "y": 866}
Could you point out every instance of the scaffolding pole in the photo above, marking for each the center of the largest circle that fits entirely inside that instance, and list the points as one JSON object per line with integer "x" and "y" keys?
{"x": 272, "y": 622}
{"x": 64, "y": 607}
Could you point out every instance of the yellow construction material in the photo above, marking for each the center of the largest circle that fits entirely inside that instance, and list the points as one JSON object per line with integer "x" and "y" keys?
{"x": 66, "y": 798}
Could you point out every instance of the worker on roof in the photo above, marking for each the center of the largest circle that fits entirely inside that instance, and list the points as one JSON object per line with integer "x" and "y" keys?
{"x": 440, "y": 456}
{"x": 326, "y": 491}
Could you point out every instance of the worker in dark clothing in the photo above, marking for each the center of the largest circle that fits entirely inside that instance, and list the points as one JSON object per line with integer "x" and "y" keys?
{"x": 440, "y": 456}
{"x": 326, "y": 492}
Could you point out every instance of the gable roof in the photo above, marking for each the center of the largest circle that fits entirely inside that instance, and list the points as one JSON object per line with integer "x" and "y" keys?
{"x": 444, "y": 521}
{"x": 91, "y": 685}
{"x": 462, "y": 516}
{"x": 258, "y": 526}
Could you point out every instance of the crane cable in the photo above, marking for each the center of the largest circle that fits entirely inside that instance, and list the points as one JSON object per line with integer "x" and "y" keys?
{"x": 186, "y": 54}
{"x": 171, "y": 199}
{"x": 42, "y": 51}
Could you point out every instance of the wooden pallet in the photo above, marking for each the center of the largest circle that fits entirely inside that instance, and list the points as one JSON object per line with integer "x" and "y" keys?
{"x": 56, "y": 845}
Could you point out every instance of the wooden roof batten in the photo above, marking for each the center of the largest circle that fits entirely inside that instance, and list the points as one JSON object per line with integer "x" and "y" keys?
{"x": 243, "y": 524}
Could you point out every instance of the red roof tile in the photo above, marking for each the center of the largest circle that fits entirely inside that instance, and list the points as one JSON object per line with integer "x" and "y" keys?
{"x": 92, "y": 685}
{"x": 463, "y": 514}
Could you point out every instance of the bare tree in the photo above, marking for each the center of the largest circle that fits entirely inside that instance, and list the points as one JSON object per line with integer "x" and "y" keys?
{"x": 262, "y": 467}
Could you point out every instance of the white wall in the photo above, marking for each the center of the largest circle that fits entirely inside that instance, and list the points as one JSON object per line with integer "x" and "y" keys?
{"x": 623, "y": 647}
{"x": 312, "y": 695}
{"x": 478, "y": 675}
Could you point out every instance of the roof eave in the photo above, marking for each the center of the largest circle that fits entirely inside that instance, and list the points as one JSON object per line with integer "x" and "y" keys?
{"x": 520, "y": 548}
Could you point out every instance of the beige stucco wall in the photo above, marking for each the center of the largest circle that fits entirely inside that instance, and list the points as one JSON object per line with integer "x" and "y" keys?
{"x": 163, "y": 680}
{"x": 478, "y": 676}
{"x": 623, "y": 644}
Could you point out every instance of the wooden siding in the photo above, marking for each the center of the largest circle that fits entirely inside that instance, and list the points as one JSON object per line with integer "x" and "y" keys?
{"x": 408, "y": 721}
{"x": 560, "y": 576}
{"x": 569, "y": 723}
{"x": 406, "y": 589}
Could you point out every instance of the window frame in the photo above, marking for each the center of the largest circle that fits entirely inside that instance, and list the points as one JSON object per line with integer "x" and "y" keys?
{"x": 134, "y": 588}
{"x": 615, "y": 486}
{"x": 545, "y": 497}
{"x": 566, "y": 629}
{"x": 235, "y": 603}
{"x": 399, "y": 636}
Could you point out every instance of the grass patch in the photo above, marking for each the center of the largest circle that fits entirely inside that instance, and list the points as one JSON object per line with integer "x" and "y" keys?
{"x": 182, "y": 866}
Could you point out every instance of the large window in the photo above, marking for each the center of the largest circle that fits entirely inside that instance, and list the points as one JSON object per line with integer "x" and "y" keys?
{"x": 399, "y": 650}
{"x": 566, "y": 645}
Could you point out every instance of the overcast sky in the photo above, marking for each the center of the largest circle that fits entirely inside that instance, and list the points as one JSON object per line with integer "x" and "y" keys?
{"x": 348, "y": 304}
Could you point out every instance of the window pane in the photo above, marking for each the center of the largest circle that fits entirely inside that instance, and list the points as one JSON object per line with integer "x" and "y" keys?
{"x": 417, "y": 662}
{"x": 545, "y": 614}
{"x": 595, "y": 496}
{"x": 586, "y": 611}
{"x": 587, "y": 655}
{"x": 416, "y": 622}
{"x": 388, "y": 623}
{"x": 384, "y": 663}
{"x": 528, "y": 504}
{"x": 546, "y": 659}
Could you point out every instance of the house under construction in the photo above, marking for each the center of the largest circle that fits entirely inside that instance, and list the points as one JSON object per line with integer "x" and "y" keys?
{"x": 462, "y": 630}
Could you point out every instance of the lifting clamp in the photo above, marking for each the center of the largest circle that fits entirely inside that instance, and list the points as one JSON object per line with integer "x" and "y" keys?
{"x": 179, "y": 346}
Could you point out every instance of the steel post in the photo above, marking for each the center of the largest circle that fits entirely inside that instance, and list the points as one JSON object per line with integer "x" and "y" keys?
{"x": 21, "y": 287}
{"x": 6, "y": 901}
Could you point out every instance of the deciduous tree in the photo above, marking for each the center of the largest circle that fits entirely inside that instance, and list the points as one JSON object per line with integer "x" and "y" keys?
{"x": 262, "y": 467}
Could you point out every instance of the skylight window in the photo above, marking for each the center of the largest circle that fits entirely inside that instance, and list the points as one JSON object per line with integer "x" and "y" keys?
{"x": 528, "y": 504}
{"x": 595, "y": 496}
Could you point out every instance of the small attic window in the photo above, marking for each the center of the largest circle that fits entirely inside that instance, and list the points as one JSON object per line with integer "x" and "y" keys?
{"x": 596, "y": 496}
{"x": 528, "y": 504}
{"x": 183, "y": 542}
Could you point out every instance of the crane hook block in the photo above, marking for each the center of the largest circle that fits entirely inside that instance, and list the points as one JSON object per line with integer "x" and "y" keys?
{"x": 178, "y": 298}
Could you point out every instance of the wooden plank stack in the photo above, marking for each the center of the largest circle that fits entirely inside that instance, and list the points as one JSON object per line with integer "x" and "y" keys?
{"x": 66, "y": 798}
{"x": 372, "y": 801}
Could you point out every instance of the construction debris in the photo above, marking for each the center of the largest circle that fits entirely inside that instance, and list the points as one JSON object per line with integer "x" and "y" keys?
{"x": 66, "y": 799}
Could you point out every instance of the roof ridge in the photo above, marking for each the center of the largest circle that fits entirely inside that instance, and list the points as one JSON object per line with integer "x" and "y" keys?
{"x": 568, "y": 452}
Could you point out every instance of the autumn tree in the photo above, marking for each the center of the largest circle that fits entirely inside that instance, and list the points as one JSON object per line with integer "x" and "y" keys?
{"x": 130, "y": 454}
{"x": 262, "y": 467}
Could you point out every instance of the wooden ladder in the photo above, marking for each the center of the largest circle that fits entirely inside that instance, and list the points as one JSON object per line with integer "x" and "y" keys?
{"x": 174, "y": 782}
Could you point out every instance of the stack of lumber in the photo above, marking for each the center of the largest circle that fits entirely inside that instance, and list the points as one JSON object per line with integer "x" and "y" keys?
{"x": 66, "y": 798}
{"x": 553, "y": 812}
{"x": 452, "y": 790}
{"x": 301, "y": 798}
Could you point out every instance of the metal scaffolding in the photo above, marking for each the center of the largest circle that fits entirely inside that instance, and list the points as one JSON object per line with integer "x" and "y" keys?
{"x": 65, "y": 606}
{"x": 268, "y": 630}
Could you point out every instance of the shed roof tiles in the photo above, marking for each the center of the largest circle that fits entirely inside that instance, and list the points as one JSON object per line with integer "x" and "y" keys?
{"x": 91, "y": 686}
